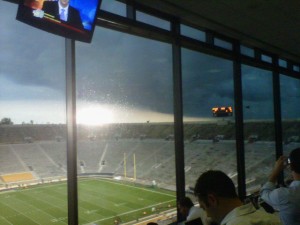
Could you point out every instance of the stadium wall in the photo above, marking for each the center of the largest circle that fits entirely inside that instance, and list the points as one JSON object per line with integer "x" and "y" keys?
{"x": 30, "y": 133}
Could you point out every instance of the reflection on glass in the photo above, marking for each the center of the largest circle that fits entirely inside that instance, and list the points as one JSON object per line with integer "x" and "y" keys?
{"x": 209, "y": 137}
{"x": 125, "y": 128}
{"x": 258, "y": 125}
{"x": 32, "y": 130}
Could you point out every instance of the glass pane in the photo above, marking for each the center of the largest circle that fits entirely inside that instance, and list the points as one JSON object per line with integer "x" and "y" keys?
{"x": 247, "y": 51}
{"x": 258, "y": 125}
{"x": 283, "y": 63}
{"x": 266, "y": 58}
{"x": 209, "y": 134}
{"x": 192, "y": 33}
{"x": 32, "y": 127}
{"x": 223, "y": 44}
{"x": 125, "y": 128}
{"x": 290, "y": 112}
{"x": 114, "y": 6}
{"x": 296, "y": 68}
{"x": 154, "y": 21}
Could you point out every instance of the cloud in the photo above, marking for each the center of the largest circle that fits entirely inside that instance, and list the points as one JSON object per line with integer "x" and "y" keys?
{"x": 40, "y": 111}
{"x": 30, "y": 56}
{"x": 257, "y": 85}
{"x": 126, "y": 71}
{"x": 15, "y": 91}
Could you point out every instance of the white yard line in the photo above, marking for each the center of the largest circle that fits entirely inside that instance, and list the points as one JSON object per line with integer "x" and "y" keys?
{"x": 132, "y": 211}
{"x": 42, "y": 211}
{"x": 3, "y": 218}
{"x": 19, "y": 213}
{"x": 138, "y": 188}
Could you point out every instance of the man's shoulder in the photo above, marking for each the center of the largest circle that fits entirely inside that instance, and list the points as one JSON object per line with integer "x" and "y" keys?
{"x": 255, "y": 219}
{"x": 195, "y": 212}
{"x": 248, "y": 215}
{"x": 259, "y": 217}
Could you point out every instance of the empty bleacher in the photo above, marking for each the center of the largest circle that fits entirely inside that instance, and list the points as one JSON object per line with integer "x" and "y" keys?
{"x": 119, "y": 150}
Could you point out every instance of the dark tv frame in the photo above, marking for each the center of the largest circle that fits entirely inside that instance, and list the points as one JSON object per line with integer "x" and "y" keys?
{"x": 25, "y": 14}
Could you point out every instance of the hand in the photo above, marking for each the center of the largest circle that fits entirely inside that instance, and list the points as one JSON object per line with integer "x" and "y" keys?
{"x": 38, "y": 13}
{"x": 278, "y": 167}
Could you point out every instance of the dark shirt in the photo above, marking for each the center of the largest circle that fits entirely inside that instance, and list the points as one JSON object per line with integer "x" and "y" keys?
{"x": 74, "y": 19}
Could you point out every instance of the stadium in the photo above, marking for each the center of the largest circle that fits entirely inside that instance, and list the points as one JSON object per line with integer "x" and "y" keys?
{"x": 136, "y": 160}
{"x": 111, "y": 109}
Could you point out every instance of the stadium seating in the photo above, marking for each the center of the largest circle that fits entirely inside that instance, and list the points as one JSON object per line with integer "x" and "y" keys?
{"x": 125, "y": 154}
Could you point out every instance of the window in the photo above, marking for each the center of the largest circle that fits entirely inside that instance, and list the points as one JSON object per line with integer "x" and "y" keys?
{"x": 125, "y": 143}
{"x": 192, "y": 33}
{"x": 209, "y": 135}
{"x": 258, "y": 125}
{"x": 152, "y": 20}
{"x": 283, "y": 63}
{"x": 114, "y": 6}
{"x": 296, "y": 68}
{"x": 266, "y": 58}
{"x": 125, "y": 128}
{"x": 33, "y": 148}
{"x": 247, "y": 51}
{"x": 290, "y": 96}
{"x": 223, "y": 44}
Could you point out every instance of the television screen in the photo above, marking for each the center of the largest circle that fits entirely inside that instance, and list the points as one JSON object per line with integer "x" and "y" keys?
{"x": 73, "y": 19}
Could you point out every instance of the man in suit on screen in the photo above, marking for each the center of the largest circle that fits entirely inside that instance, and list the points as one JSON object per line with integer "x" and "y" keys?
{"x": 63, "y": 11}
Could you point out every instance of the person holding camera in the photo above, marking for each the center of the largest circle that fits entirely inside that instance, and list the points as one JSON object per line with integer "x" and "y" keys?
{"x": 286, "y": 200}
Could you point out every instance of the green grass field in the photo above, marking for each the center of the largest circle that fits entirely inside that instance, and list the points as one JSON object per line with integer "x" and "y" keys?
{"x": 101, "y": 201}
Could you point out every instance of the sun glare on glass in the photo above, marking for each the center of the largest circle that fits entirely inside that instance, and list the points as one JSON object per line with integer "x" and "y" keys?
{"x": 94, "y": 115}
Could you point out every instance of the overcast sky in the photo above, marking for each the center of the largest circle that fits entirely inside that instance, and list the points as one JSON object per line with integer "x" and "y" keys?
{"x": 121, "y": 77}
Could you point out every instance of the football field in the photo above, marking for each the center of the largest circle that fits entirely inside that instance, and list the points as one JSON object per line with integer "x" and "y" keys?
{"x": 101, "y": 201}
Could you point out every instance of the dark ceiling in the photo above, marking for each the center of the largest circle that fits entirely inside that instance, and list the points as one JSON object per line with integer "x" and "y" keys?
{"x": 272, "y": 25}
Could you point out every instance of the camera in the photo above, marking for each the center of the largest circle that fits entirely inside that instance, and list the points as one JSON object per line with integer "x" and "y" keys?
{"x": 287, "y": 162}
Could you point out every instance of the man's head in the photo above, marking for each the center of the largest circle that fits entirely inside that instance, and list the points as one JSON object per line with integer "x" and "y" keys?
{"x": 64, "y": 3}
{"x": 216, "y": 194}
{"x": 184, "y": 206}
{"x": 295, "y": 160}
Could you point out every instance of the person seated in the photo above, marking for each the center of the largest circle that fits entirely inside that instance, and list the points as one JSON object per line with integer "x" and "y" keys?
{"x": 188, "y": 210}
{"x": 286, "y": 200}
{"x": 217, "y": 196}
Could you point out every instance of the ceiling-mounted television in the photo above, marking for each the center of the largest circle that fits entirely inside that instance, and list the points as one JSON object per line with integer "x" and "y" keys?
{"x": 73, "y": 19}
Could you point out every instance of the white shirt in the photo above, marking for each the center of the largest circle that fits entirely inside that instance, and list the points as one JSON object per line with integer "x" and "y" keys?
{"x": 248, "y": 215}
{"x": 284, "y": 199}
{"x": 194, "y": 213}
{"x": 197, "y": 212}
{"x": 66, "y": 10}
